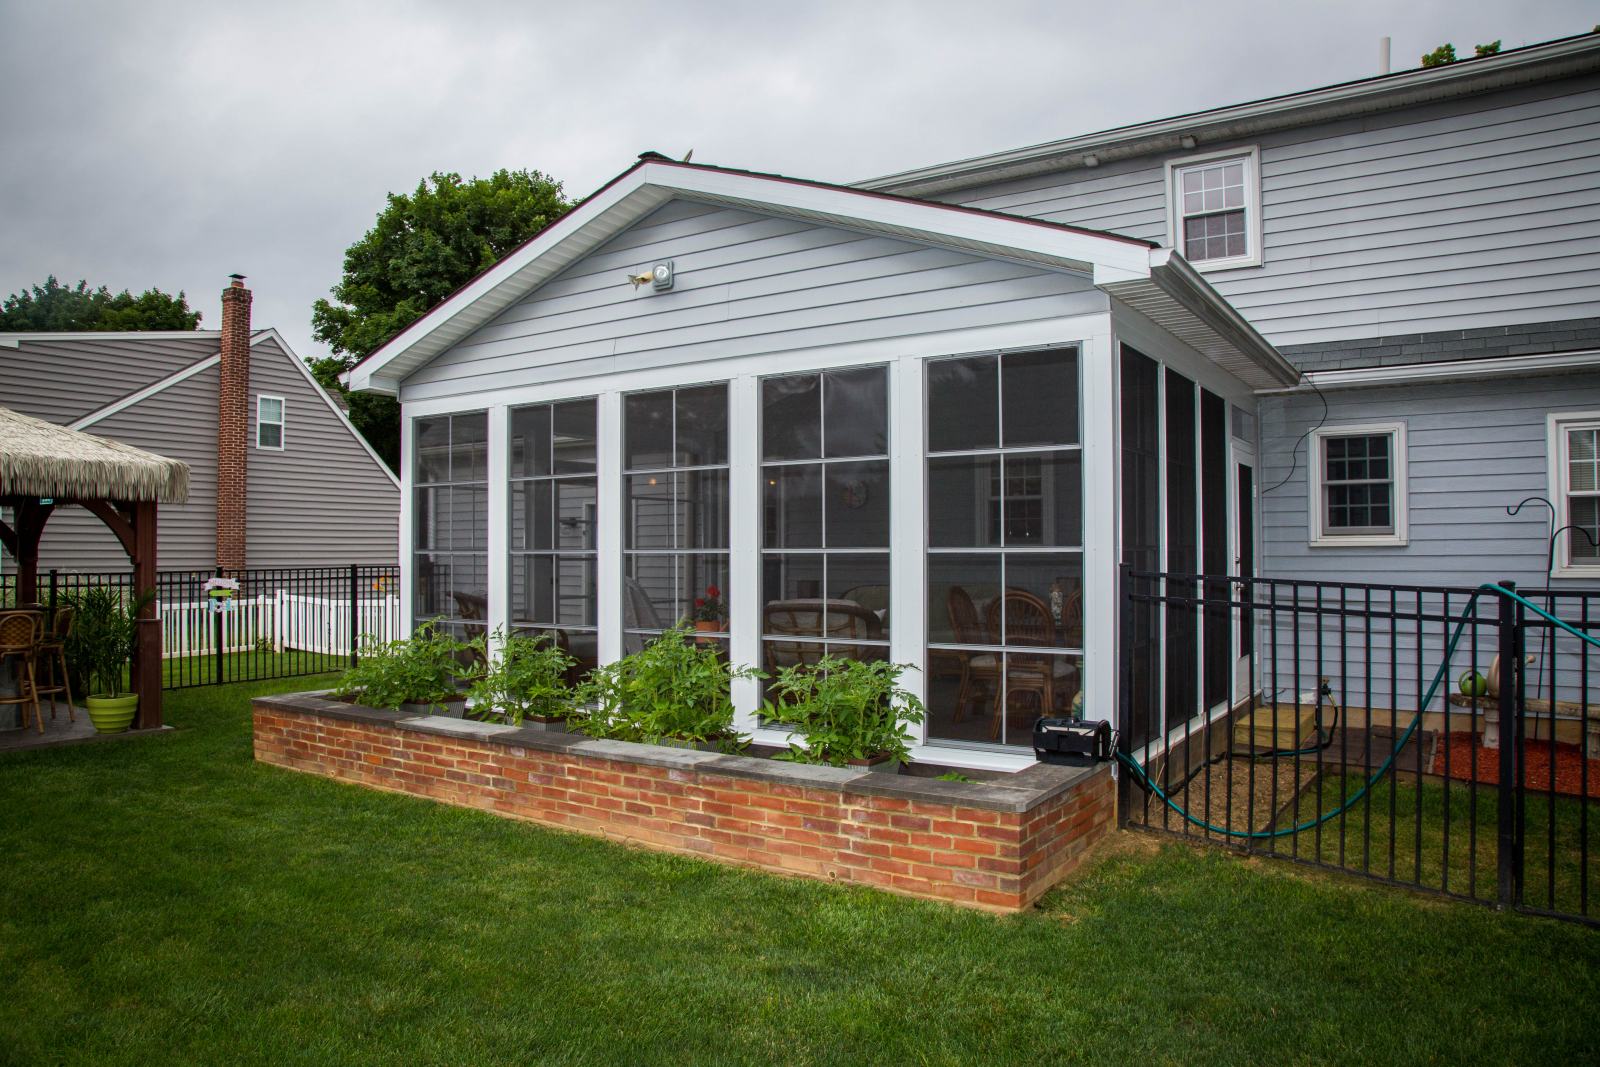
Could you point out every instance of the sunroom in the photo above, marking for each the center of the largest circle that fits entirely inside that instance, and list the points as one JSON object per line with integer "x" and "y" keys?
{"x": 815, "y": 420}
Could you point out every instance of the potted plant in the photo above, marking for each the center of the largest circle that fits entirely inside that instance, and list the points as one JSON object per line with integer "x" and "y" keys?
{"x": 527, "y": 682}
{"x": 100, "y": 647}
{"x": 846, "y": 712}
{"x": 710, "y": 615}
{"x": 419, "y": 674}
{"x": 673, "y": 691}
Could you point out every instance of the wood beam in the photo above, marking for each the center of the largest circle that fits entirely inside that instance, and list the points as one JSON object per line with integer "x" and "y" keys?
{"x": 31, "y": 517}
{"x": 147, "y": 647}
{"x": 117, "y": 521}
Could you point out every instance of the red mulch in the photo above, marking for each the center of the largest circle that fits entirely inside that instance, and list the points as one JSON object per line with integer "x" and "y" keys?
{"x": 1467, "y": 747}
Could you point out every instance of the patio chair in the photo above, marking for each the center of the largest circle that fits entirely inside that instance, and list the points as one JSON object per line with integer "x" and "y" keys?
{"x": 53, "y": 655}
{"x": 801, "y": 625}
{"x": 976, "y": 668}
{"x": 1028, "y": 623}
{"x": 20, "y": 634}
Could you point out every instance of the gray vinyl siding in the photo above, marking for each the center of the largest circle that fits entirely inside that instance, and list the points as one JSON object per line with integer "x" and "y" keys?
{"x": 1463, "y": 214}
{"x": 1473, "y": 449}
{"x": 62, "y": 380}
{"x": 180, "y": 423}
{"x": 746, "y": 284}
{"x": 322, "y": 500}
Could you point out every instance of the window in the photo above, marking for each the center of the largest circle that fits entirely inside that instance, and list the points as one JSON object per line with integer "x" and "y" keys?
{"x": 825, "y": 542}
{"x": 269, "y": 422}
{"x": 450, "y": 520}
{"x": 1005, "y": 544}
{"x": 675, "y": 487}
{"x": 1575, "y": 487}
{"x": 1358, "y": 485}
{"x": 1215, "y": 209}
{"x": 553, "y": 511}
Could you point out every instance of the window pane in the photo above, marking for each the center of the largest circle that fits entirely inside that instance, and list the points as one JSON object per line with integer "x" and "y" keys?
{"x": 574, "y": 443}
{"x": 1583, "y": 461}
{"x": 650, "y": 598}
{"x": 960, "y": 590}
{"x": 469, "y": 445}
{"x": 698, "y": 575}
{"x": 647, "y": 432}
{"x": 269, "y": 435}
{"x": 430, "y": 517}
{"x": 1041, "y": 398}
{"x": 856, "y": 412}
{"x": 703, "y": 509}
{"x": 1043, "y": 498}
{"x": 454, "y": 586}
{"x": 530, "y": 441}
{"x": 1036, "y": 685}
{"x": 649, "y": 506}
{"x": 963, "y": 510}
{"x": 532, "y": 589}
{"x": 469, "y": 518}
{"x": 963, "y": 408}
{"x": 860, "y": 583}
{"x": 432, "y": 449}
{"x": 531, "y": 516}
{"x": 791, "y": 417}
{"x": 858, "y": 505}
{"x": 271, "y": 409}
{"x": 702, "y": 431}
{"x": 793, "y": 506}
{"x": 1585, "y": 514}
{"x": 574, "y": 513}
{"x": 1043, "y": 604}
{"x": 575, "y": 591}
{"x": 791, "y": 594}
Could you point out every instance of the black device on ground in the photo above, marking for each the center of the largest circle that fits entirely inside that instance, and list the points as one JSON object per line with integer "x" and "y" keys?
{"x": 1073, "y": 742}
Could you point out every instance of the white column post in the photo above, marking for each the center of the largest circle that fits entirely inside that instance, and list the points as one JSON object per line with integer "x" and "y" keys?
{"x": 609, "y": 517}
{"x": 406, "y": 532}
{"x": 498, "y": 470}
{"x": 744, "y": 543}
{"x": 1100, "y": 520}
{"x": 908, "y": 559}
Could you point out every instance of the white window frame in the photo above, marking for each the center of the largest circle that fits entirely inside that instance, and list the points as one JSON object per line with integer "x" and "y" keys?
{"x": 1251, "y": 156}
{"x": 282, "y": 422}
{"x": 1323, "y": 538}
{"x": 1558, "y": 423}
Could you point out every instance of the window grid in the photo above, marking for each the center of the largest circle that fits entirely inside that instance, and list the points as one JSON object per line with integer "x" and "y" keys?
{"x": 823, "y": 462}
{"x": 1581, "y": 474}
{"x": 1358, "y": 484}
{"x": 1212, "y": 209}
{"x": 270, "y": 420}
{"x": 553, "y": 488}
{"x": 450, "y": 521}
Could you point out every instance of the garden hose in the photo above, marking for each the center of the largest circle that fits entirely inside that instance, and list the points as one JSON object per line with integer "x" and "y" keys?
{"x": 1142, "y": 777}
{"x": 1277, "y": 753}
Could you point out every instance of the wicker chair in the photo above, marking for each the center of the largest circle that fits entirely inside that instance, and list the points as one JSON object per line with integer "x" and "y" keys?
{"x": 977, "y": 668}
{"x": 1027, "y": 623}
{"x": 20, "y": 634}
{"x": 53, "y": 655}
{"x": 801, "y": 625}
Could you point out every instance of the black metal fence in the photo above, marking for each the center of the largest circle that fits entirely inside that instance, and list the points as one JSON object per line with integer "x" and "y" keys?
{"x": 281, "y": 622}
{"x": 1445, "y": 739}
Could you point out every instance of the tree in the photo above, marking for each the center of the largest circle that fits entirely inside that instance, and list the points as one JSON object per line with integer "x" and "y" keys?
{"x": 53, "y": 306}
{"x": 423, "y": 247}
{"x": 1445, "y": 54}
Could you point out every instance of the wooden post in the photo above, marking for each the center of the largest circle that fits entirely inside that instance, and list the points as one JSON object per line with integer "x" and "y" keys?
{"x": 31, "y": 517}
{"x": 147, "y": 650}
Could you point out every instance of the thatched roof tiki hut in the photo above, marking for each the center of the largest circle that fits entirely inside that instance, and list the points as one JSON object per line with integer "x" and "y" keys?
{"x": 44, "y": 467}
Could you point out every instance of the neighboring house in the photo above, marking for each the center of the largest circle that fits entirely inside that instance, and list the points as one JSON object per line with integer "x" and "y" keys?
{"x": 925, "y": 417}
{"x": 279, "y": 477}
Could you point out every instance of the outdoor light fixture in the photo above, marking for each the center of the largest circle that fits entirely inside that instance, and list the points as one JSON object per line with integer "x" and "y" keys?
{"x": 658, "y": 277}
{"x": 1187, "y": 142}
{"x": 1091, "y": 161}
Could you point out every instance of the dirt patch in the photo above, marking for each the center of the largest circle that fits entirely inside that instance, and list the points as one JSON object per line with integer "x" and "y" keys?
{"x": 1235, "y": 794}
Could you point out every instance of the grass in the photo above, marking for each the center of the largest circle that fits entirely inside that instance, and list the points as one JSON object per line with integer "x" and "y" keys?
{"x": 168, "y": 900}
{"x": 249, "y": 666}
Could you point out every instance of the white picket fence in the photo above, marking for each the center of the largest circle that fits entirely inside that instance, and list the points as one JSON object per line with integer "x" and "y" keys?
{"x": 275, "y": 622}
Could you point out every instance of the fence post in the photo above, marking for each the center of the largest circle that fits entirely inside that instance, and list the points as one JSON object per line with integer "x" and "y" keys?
{"x": 1124, "y": 686}
{"x": 1509, "y": 854}
{"x": 355, "y": 614}
{"x": 216, "y": 633}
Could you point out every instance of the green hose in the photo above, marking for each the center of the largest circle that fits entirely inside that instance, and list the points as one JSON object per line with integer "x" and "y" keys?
{"x": 1143, "y": 777}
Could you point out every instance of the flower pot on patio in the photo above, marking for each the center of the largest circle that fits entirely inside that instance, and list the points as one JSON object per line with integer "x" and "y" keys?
{"x": 112, "y": 715}
{"x": 882, "y": 763}
{"x": 451, "y": 707}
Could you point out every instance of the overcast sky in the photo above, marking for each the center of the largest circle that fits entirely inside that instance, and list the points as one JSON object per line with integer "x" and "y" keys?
{"x": 165, "y": 144}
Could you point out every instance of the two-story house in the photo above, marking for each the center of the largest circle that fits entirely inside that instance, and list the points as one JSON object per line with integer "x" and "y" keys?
{"x": 925, "y": 417}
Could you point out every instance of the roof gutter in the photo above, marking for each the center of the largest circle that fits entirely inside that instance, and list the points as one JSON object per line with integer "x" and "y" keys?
{"x": 1456, "y": 370}
{"x": 1178, "y": 279}
{"x": 1542, "y": 62}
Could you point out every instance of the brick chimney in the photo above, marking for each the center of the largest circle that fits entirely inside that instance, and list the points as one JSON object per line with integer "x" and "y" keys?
{"x": 233, "y": 424}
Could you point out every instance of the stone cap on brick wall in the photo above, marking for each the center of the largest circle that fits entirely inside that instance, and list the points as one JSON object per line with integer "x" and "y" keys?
{"x": 1021, "y": 792}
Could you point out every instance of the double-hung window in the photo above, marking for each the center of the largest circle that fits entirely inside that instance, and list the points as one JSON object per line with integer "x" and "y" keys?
{"x": 1215, "y": 209}
{"x": 1358, "y": 485}
{"x": 269, "y": 422}
{"x": 1575, "y": 487}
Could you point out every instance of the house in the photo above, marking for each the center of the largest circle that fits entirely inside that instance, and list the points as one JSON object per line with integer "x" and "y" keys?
{"x": 927, "y": 416}
{"x": 279, "y": 477}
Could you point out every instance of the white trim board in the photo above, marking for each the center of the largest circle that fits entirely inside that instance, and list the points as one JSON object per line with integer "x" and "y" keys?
{"x": 1251, "y": 155}
{"x": 1555, "y": 464}
{"x": 1317, "y": 537}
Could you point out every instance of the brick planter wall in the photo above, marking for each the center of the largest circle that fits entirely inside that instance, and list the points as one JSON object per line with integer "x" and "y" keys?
{"x": 985, "y": 845}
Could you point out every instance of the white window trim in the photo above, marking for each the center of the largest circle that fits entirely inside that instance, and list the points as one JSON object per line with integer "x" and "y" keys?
{"x": 1252, "y": 206}
{"x": 1557, "y": 423}
{"x": 282, "y": 424}
{"x": 1320, "y": 538}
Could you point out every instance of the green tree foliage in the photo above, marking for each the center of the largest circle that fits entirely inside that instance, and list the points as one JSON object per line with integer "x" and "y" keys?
{"x": 1442, "y": 56}
{"x": 423, "y": 247}
{"x": 53, "y": 306}
{"x": 1490, "y": 49}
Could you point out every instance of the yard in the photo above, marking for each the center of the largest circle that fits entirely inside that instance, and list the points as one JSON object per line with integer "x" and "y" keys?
{"x": 167, "y": 899}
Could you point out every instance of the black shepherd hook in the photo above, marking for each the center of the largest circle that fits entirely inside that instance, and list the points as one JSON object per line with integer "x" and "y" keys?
{"x": 1549, "y": 566}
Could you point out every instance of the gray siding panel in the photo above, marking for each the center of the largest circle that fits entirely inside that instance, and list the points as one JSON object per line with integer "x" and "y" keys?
{"x": 324, "y": 499}
{"x": 746, "y": 284}
{"x": 60, "y": 381}
{"x": 1471, "y": 213}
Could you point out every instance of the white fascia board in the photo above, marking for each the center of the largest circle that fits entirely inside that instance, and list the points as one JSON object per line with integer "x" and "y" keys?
{"x": 1179, "y": 280}
{"x": 141, "y": 395}
{"x": 1457, "y": 370}
{"x": 333, "y": 405}
{"x": 653, "y": 183}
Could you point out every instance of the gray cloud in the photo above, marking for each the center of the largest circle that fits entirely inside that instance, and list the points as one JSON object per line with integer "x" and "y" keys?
{"x": 171, "y": 144}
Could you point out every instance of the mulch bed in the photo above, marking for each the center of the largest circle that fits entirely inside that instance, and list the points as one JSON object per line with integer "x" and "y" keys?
{"x": 1466, "y": 751}
{"x": 1238, "y": 794}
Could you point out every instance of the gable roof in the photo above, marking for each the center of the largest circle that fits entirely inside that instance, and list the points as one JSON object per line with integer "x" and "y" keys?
{"x": 1168, "y": 286}
{"x": 1562, "y": 58}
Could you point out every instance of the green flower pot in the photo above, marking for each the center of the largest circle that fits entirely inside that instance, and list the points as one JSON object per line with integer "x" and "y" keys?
{"x": 112, "y": 715}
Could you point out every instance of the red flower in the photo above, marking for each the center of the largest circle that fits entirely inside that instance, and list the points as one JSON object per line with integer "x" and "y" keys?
{"x": 699, "y": 601}
{"x": 713, "y": 591}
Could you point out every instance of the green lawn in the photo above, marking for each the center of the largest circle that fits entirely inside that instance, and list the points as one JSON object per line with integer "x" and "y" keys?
{"x": 167, "y": 900}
